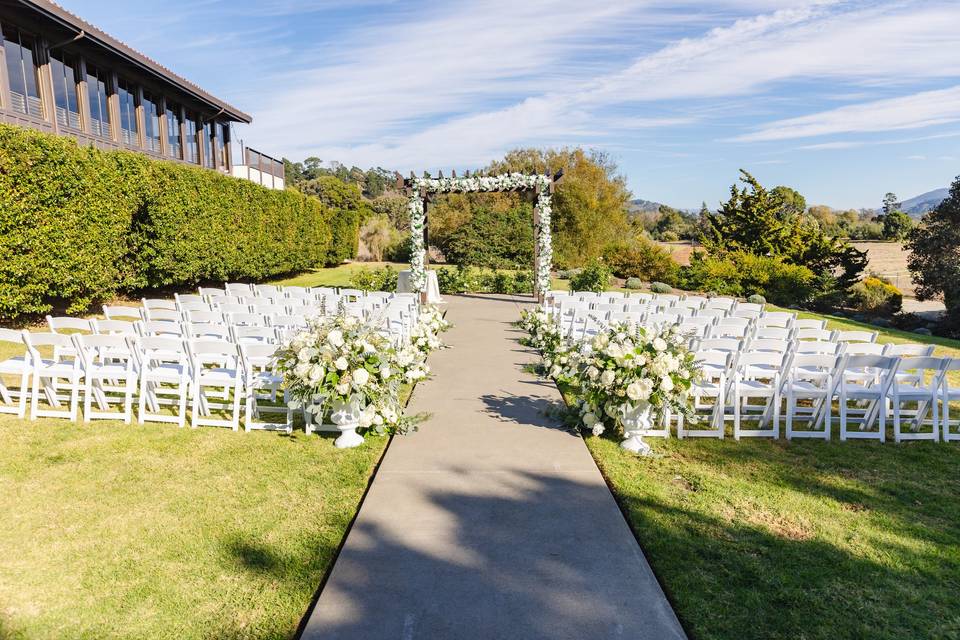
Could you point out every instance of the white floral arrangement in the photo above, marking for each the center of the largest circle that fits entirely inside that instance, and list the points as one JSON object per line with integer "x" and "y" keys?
{"x": 342, "y": 358}
{"x": 475, "y": 184}
{"x": 544, "y": 335}
{"x": 625, "y": 366}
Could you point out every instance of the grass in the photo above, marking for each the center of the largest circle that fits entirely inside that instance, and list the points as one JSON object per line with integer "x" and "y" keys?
{"x": 768, "y": 539}
{"x": 125, "y": 531}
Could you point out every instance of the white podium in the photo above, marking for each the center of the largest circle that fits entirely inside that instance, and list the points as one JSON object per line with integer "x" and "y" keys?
{"x": 433, "y": 288}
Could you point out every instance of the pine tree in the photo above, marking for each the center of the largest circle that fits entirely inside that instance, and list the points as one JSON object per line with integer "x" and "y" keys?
{"x": 934, "y": 260}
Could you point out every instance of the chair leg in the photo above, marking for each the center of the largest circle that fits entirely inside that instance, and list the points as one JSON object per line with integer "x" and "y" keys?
{"x": 896, "y": 420}
{"x": 87, "y": 396}
{"x": 195, "y": 404}
{"x": 35, "y": 396}
{"x": 843, "y": 418}
{"x": 182, "y": 390}
{"x": 791, "y": 409}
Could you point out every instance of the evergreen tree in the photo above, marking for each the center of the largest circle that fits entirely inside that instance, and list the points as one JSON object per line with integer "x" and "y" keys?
{"x": 934, "y": 260}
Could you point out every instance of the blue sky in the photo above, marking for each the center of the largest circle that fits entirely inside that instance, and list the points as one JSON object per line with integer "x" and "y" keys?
{"x": 841, "y": 99}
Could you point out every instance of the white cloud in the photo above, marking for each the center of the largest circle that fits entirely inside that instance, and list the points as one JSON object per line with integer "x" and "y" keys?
{"x": 915, "y": 111}
{"x": 916, "y": 158}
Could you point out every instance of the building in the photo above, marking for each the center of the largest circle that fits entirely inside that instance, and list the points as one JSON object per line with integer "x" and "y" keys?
{"x": 61, "y": 75}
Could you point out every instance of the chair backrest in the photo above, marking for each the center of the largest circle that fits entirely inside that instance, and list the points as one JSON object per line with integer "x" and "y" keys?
{"x": 161, "y": 349}
{"x": 243, "y": 335}
{"x": 760, "y": 364}
{"x": 752, "y": 314}
{"x": 238, "y": 288}
{"x": 206, "y": 292}
{"x": 96, "y": 347}
{"x": 660, "y": 319}
{"x": 856, "y": 336}
{"x": 637, "y": 308}
{"x": 776, "y": 319}
{"x": 691, "y": 330}
{"x": 614, "y": 296}
{"x": 60, "y": 324}
{"x": 116, "y": 311}
{"x": 921, "y": 365}
{"x": 277, "y": 320}
{"x": 218, "y": 301}
{"x": 160, "y": 328}
{"x": 694, "y": 304}
{"x": 266, "y": 290}
{"x": 247, "y": 319}
{"x": 864, "y": 349}
{"x": 769, "y": 344}
{"x": 809, "y": 323}
{"x": 815, "y": 346}
{"x": 233, "y": 308}
{"x": 186, "y": 307}
{"x": 726, "y": 345}
{"x": 702, "y": 321}
{"x": 257, "y": 355}
{"x": 712, "y": 312}
{"x": 117, "y": 327}
{"x": 818, "y": 335}
{"x": 205, "y": 350}
{"x": 267, "y": 309}
{"x": 606, "y": 306}
{"x": 724, "y": 304}
{"x": 712, "y": 358}
{"x": 911, "y": 350}
{"x": 680, "y": 312}
{"x": 11, "y": 335}
{"x": 185, "y": 298}
{"x": 210, "y": 317}
{"x": 884, "y": 366}
{"x": 774, "y": 333}
{"x": 806, "y": 366}
{"x": 158, "y": 303}
{"x": 749, "y": 306}
{"x": 638, "y": 296}
{"x": 207, "y": 330}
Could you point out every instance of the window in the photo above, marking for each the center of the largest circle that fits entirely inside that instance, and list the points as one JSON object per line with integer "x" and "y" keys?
{"x": 151, "y": 122}
{"x": 22, "y": 72}
{"x": 209, "y": 144}
{"x": 191, "y": 144}
{"x": 63, "y": 68}
{"x": 220, "y": 144}
{"x": 173, "y": 130}
{"x": 97, "y": 97}
{"x": 128, "y": 113}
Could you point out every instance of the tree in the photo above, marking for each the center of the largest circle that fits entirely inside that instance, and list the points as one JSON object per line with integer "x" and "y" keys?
{"x": 792, "y": 204}
{"x": 896, "y": 225}
{"x": 890, "y": 203}
{"x": 494, "y": 239}
{"x": 934, "y": 260}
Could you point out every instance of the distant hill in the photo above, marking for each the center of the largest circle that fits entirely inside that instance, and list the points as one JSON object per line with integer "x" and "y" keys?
{"x": 642, "y": 206}
{"x": 924, "y": 202}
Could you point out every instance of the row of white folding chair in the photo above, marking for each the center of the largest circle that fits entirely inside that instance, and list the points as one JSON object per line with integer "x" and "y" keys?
{"x": 107, "y": 369}
{"x": 692, "y": 301}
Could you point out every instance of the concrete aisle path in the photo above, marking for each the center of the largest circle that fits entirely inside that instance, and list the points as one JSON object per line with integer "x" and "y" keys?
{"x": 490, "y": 522}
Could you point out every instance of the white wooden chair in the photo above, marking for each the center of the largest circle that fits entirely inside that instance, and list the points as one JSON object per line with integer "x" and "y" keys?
{"x": 158, "y": 303}
{"x": 114, "y": 327}
{"x": 162, "y": 314}
{"x": 262, "y": 385}
{"x": 205, "y": 317}
{"x": 810, "y": 381}
{"x": 757, "y": 376}
{"x": 868, "y": 395}
{"x": 215, "y": 365}
{"x": 207, "y": 292}
{"x": 809, "y": 323}
{"x": 781, "y": 319}
{"x": 267, "y": 291}
{"x": 916, "y": 382}
{"x": 233, "y": 307}
{"x": 238, "y": 288}
{"x": 708, "y": 396}
{"x": 121, "y": 312}
{"x": 108, "y": 372}
{"x": 161, "y": 328}
{"x": 948, "y": 394}
{"x": 773, "y": 333}
{"x": 815, "y": 334}
{"x": 54, "y": 376}
{"x": 207, "y": 330}
{"x": 856, "y": 336}
{"x": 164, "y": 379}
{"x": 248, "y": 335}
{"x": 14, "y": 399}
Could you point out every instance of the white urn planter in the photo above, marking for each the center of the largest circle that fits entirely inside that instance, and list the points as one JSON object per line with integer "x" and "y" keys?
{"x": 635, "y": 420}
{"x": 346, "y": 415}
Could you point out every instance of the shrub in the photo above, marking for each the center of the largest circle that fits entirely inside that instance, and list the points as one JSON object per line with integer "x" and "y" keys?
{"x": 660, "y": 287}
{"x": 568, "y": 274}
{"x": 874, "y": 296}
{"x": 493, "y": 239}
{"x": 454, "y": 280}
{"x": 757, "y": 299}
{"x": 382, "y": 279}
{"x": 633, "y": 283}
{"x": 642, "y": 259}
{"x": 594, "y": 277}
{"x": 523, "y": 281}
{"x": 743, "y": 274}
{"x": 79, "y": 225}
{"x": 400, "y": 250}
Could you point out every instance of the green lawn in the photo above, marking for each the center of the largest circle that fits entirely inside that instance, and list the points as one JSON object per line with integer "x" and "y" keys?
{"x": 769, "y": 539}
{"x": 125, "y": 531}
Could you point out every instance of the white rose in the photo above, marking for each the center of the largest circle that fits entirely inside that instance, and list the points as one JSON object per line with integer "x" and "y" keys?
{"x": 341, "y": 363}
{"x": 316, "y": 373}
{"x": 301, "y": 370}
{"x": 361, "y": 377}
{"x": 659, "y": 344}
{"x": 592, "y": 372}
{"x": 607, "y": 377}
{"x": 385, "y": 372}
{"x": 343, "y": 388}
{"x": 335, "y": 338}
{"x": 589, "y": 419}
{"x": 597, "y": 429}
{"x": 635, "y": 391}
{"x": 666, "y": 383}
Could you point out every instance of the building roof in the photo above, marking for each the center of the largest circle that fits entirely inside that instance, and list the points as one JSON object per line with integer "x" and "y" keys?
{"x": 92, "y": 34}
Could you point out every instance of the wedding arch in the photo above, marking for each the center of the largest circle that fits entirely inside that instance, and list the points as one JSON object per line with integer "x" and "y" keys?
{"x": 540, "y": 186}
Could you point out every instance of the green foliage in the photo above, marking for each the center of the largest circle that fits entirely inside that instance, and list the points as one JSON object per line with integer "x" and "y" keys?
{"x": 633, "y": 283}
{"x": 757, "y": 299}
{"x": 466, "y": 279}
{"x": 382, "y": 279}
{"x": 896, "y": 225}
{"x": 399, "y": 250}
{"x": 493, "y": 239}
{"x": 377, "y": 237}
{"x": 641, "y": 258}
{"x": 743, "y": 274}
{"x": 80, "y": 225}
{"x": 349, "y": 211}
{"x": 593, "y": 277}
{"x": 875, "y": 296}
{"x": 933, "y": 262}
{"x": 661, "y": 287}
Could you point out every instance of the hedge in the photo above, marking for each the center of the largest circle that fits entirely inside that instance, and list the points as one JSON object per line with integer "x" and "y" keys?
{"x": 80, "y": 225}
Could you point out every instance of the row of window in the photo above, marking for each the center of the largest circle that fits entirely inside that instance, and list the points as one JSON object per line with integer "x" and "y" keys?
{"x": 23, "y": 76}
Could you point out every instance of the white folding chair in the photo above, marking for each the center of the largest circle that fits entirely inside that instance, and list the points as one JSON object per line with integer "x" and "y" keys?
{"x": 121, "y": 312}
{"x": 108, "y": 372}
{"x": 723, "y": 304}
{"x": 62, "y": 373}
{"x": 114, "y": 327}
{"x": 809, "y": 323}
{"x": 261, "y": 385}
{"x": 149, "y": 328}
{"x": 215, "y": 365}
{"x": 868, "y": 394}
{"x": 186, "y": 307}
{"x": 207, "y": 292}
{"x": 230, "y": 308}
{"x": 267, "y": 291}
{"x": 158, "y": 303}
{"x": 248, "y": 335}
{"x": 708, "y": 396}
{"x": 949, "y": 393}
{"x": 187, "y": 298}
{"x": 708, "y": 312}
{"x": 773, "y": 333}
{"x": 14, "y": 399}
{"x": 246, "y": 320}
{"x": 810, "y": 381}
{"x": 781, "y": 319}
{"x": 757, "y": 376}
{"x": 741, "y": 311}
{"x": 917, "y": 382}
{"x": 856, "y": 336}
{"x": 816, "y": 334}
{"x": 164, "y": 379}
{"x": 207, "y": 330}
{"x": 205, "y": 317}
{"x": 162, "y": 314}
{"x": 814, "y": 347}
{"x": 238, "y": 288}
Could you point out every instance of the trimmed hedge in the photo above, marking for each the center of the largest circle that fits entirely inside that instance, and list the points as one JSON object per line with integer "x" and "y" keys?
{"x": 80, "y": 225}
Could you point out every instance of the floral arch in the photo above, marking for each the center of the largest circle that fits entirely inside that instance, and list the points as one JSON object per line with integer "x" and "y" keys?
{"x": 540, "y": 186}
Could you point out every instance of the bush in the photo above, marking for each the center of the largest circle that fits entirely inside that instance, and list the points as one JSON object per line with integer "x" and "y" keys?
{"x": 400, "y": 250}
{"x": 660, "y": 287}
{"x": 743, "y": 274}
{"x": 594, "y": 277}
{"x": 634, "y": 283}
{"x": 382, "y": 279}
{"x": 80, "y": 225}
{"x": 568, "y": 274}
{"x": 757, "y": 299}
{"x": 464, "y": 279}
{"x": 875, "y": 297}
{"x": 493, "y": 239}
{"x": 641, "y": 259}
{"x": 454, "y": 280}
